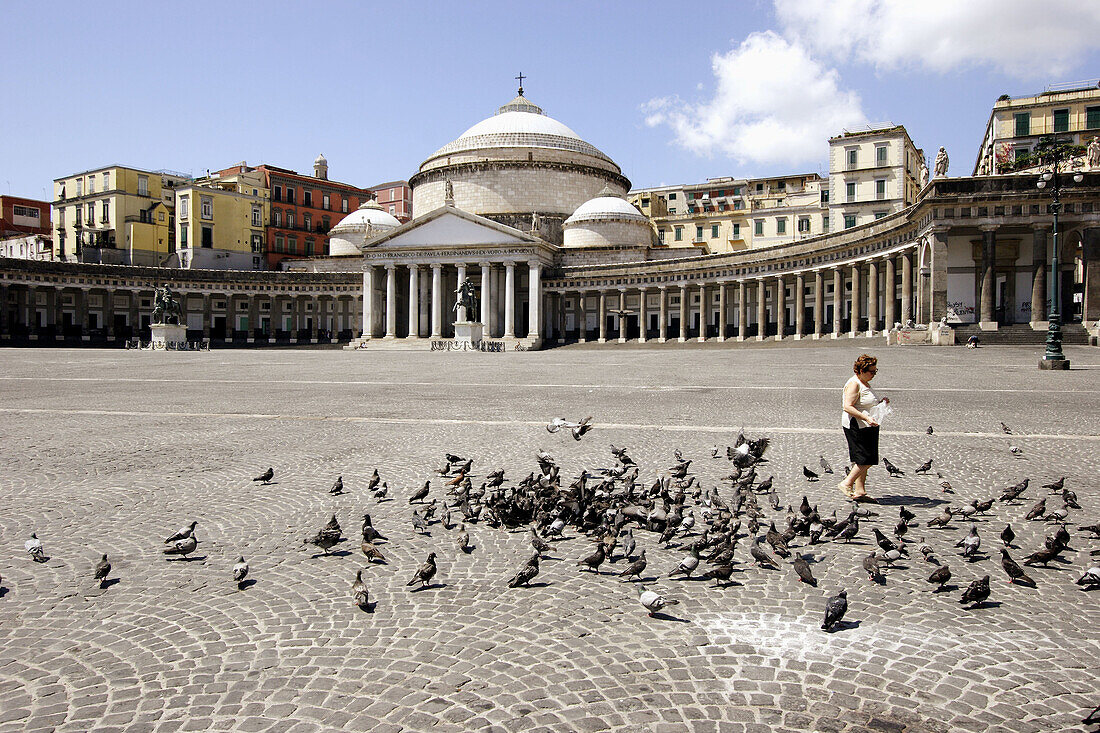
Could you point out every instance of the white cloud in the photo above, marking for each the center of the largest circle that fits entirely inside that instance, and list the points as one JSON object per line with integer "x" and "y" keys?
{"x": 774, "y": 103}
{"x": 1021, "y": 38}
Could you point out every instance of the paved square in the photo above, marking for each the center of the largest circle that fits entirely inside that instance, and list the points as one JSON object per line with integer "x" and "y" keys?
{"x": 112, "y": 451}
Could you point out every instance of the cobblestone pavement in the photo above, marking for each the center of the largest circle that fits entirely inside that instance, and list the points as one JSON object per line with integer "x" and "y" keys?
{"x": 112, "y": 451}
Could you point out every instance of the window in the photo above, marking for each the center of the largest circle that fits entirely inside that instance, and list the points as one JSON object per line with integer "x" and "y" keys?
{"x": 277, "y": 217}
{"x": 325, "y": 202}
{"x": 307, "y": 198}
{"x": 736, "y": 231}
{"x": 79, "y": 186}
{"x": 853, "y": 158}
{"x": 850, "y": 191}
{"x": 1061, "y": 120}
{"x": 672, "y": 210}
{"x": 91, "y": 213}
{"x": 738, "y": 204}
{"x": 671, "y": 196}
{"x": 79, "y": 216}
{"x": 804, "y": 225}
{"x": 256, "y": 216}
{"x": 143, "y": 185}
{"x": 279, "y": 246}
{"x": 881, "y": 214}
{"x": 661, "y": 236}
{"x": 759, "y": 187}
{"x": 160, "y": 215}
{"x": 278, "y": 193}
{"x": 292, "y": 245}
{"x": 1092, "y": 121}
{"x": 880, "y": 188}
{"x": 679, "y": 234}
{"x": 27, "y": 211}
{"x": 183, "y": 235}
{"x": 849, "y": 221}
{"x": 257, "y": 243}
{"x": 185, "y": 207}
{"x": 344, "y": 205}
{"x": 107, "y": 181}
{"x": 781, "y": 225}
{"x": 825, "y": 196}
{"x": 290, "y": 219}
{"x": 1023, "y": 123}
{"x": 309, "y": 247}
{"x": 143, "y": 216}
{"x": 307, "y": 220}
{"x": 1020, "y": 152}
{"x": 207, "y": 207}
{"x": 61, "y": 218}
{"x": 698, "y": 234}
{"x": 645, "y": 202}
{"x": 326, "y": 224}
{"x": 880, "y": 155}
{"x": 207, "y": 236}
{"x": 289, "y": 195}
{"x": 106, "y": 212}
{"x": 824, "y": 223}
{"x": 714, "y": 231}
{"x": 758, "y": 228}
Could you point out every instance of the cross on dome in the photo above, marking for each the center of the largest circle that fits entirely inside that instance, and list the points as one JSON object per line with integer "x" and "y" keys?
{"x": 521, "y": 77}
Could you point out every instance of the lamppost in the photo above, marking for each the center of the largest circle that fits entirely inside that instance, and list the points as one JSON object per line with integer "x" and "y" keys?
{"x": 1054, "y": 358}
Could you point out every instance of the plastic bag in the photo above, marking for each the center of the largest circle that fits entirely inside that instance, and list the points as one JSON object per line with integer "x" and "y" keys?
{"x": 880, "y": 412}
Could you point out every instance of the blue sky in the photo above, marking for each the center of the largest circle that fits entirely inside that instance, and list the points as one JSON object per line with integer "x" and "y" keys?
{"x": 674, "y": 93}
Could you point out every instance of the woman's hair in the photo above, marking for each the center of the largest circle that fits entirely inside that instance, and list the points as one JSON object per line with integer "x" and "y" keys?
{"x": 863, "y": 363}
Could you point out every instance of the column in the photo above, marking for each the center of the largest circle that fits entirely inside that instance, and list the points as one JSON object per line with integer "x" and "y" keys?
{"x": 643, "y": 314}
{"x": 368, "y": 303}
{"x": 662, "y": 327}
{"x": 561, "y": 317}
{"x": 722, "y": 288}
{"x": 838, "y": 301}
{"x": 761, "y": 310}
{"x": 780, "y": 307}
{"x": 510, "y": 300}
{"x": 317, "y": 311}
{"x": 486, "y": 294}
{"x": 987, "y": 316}
{"x": 684, "y": 311}
{"x": 414, "y": 301}
{"x": 891, "y": 295}
{"x": 742, "y": 310}
{"x": 80, "y": 296}
{"x": 4, "y": 309}
{"x": 704, "y": 312}
{"x": 872, "y": 297}
{"x": 460, "y": 313}
{"x": 819, "y": 303}
{"x": 907, "y": 287}
{"x": 622, "y": 315}
{"x": 437, "y": 301}
{"x": 391, "y": 301}
{"x": 1039, "y": 261}
{"x": 1090, "y": 250}
{"x": 937, "y": 284}
{"x": 799, "y": 305}
{"x": 603, "y": 317}
{"x": 582, "y": 317}
{"x": 853, "y": 328}
{"x": 295, "y": 317}
{"x": 534, "y": 298}
{"x": 51, "y": 318}
{"x": 207, "y": 314}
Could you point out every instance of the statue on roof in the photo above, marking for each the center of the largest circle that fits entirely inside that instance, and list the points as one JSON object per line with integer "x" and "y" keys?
{"x": 941, "y": 163}
{"x": 536, "y": 221}
{"x": 448, "y": 192}
{"x": 1094, "y": 153}
{"x": 923, "y": 173}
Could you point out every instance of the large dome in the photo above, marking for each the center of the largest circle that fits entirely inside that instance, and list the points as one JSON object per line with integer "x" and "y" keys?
{"x": 357, "y": 228}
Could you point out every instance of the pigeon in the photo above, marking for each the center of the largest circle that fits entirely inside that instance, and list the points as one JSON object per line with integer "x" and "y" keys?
{"x": 538, "y": 544}
{"x": 968, "y": 510}
{"x": 380, "y": 493}
{"x": 825, "y": 467}
{"x": 1005, "y": 429}
{"x": 526, "y": 573}
{"x": 871, "y": 566}
{"x": 687, "y": 566}
{"x": 420, "y": 525}
{"x": 835, "y": 609}
{"x": 970, "y": 543}
{"x": 372, "y": 484}
{"x": 929, "y": 430}
{"x": 266, "y": 476}
{"x": 629, "y": 545}
{"x": 926, "y": 550}
{"x": 802, "y": 568}
{"x": 34, "y": 547}
{"x": 1045, "y": 555}
{"x": 102, "y": 570}
{"x": 946, "y": 487}
{"x": 372, "y": 553}
{"x": 762, "y": 558}
{"x": 594, "y": 560}
{"x": 635, "y": 568}
{"x": 240, "y": 570}
{"x": 1012, "y": 493}
{"x": 810, "y": 475}
{"x": 776, "y": 540}
{"x": 327, "y": 537}
{"x": 719, "y": 574}
{"x": 983, "y": 507}
{"x": 1058, "y": 515}
{"x": 905, "y": 515}
{"x": 577, "y": 429}
{"x": 1091, "y": 578}
{"x": 1056, "y": 486}
{"x": 182, "y": 534}
{"x": 420, "y": 493}
{"x": 370, "y": 534}
{"x": 183, "y": 547}
{"x": 1069, "y": 498}
{"x": 1094, "y": 528}
{"x": 1016, "y": 450}
{"x": 924, "y": 467}
{"x": 1015, "y": 573}
{"x": 885, "y": 542}
{"x": 425, "y": 572}
{"x": 940, "y": 576}
{"x": 942, "y": 520}
{"x": 891, "y": 469}
{"x": 891, "y": 556}
{"x": 1037, "y": 511}
{"x": 850, "y": 530}
{"x": 1007, "y": 535}
{"x": 652, "y": 601}
{"x": 463, "y": 540}
{"x": 337, "y": 487}
{"x": 359, "y": 591}
{"x": 977, "y": 592}
{"x": 452, "y": 458}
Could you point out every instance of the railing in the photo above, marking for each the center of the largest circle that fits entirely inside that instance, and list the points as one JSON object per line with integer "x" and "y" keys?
{"x": 134, "y": 343}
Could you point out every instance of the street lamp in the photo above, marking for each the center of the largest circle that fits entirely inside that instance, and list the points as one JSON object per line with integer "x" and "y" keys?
{"x": 1054, "y": 358}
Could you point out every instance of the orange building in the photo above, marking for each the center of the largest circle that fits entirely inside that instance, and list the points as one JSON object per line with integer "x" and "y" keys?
{"x": 23, "y": 216}
{"x": 396, "y": 198}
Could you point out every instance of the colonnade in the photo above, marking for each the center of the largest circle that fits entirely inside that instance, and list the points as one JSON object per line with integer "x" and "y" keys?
{"x": 405, "y": 300}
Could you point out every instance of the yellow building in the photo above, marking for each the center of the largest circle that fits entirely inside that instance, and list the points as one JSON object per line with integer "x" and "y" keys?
{"x": 115, "y": 215}
{"x": 874, "y": 172}
{"x": 220, "y": 221}
{"x": 1071, "y": 111}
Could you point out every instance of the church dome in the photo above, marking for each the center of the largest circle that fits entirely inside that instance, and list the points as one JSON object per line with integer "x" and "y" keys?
{"x": 607, "y": 221}
{"x": 607, "y": 206}
{"x": 353, "y": 231}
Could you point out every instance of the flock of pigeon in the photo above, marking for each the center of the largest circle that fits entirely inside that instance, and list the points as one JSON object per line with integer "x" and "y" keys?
{"x": 610, "y": 504}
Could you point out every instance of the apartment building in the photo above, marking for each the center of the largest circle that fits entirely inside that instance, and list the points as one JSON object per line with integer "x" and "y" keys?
{"x": 221, "y": 220}
{"x": 395, "y": 197}
{"x": 116, "y": 215}
{"x": 21, "y": 216}
{"x": 1016, "y": 125}
{"x": 873, "y": 172}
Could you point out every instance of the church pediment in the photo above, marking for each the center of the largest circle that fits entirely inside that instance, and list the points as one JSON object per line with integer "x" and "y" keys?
{"x": 448, "y": 227}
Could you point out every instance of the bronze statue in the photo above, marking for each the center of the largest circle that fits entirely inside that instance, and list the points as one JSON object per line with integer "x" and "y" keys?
{"x": 166, "y": 309}
{"x": 466, "y": 297}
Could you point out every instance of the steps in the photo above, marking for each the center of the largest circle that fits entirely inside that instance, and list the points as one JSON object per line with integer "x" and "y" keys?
{"x": 1019, "y": 334}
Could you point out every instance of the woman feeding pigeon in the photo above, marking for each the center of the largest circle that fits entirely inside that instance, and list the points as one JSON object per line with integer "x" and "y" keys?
{"x": 860, "y": 427}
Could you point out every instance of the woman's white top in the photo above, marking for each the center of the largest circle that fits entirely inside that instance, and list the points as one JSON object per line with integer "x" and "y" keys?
{"x": 865, "y": 400}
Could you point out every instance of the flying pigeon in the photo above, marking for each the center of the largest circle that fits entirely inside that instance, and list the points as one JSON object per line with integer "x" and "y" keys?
{"x": 653, "y": 601}
{"x": 102, "y": 570}
{"x": 266, "y": 476}
{"x": 240, "y": 571}
{"x": 425, "y": 572}
{"x": 977, "y": 592}
{"x": 835, "y": 609}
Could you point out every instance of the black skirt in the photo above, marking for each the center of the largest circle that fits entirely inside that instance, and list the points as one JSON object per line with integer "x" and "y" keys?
{"x": 862, "y": 444}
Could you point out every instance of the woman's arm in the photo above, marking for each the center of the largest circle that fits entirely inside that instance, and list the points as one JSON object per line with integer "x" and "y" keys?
{"x": 851, "y": 393}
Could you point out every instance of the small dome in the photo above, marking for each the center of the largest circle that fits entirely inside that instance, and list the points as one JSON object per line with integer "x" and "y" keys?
{"x": 320, "y": 159}
{"x": 360, "y": 226}
{"x": 607, "y": 205}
